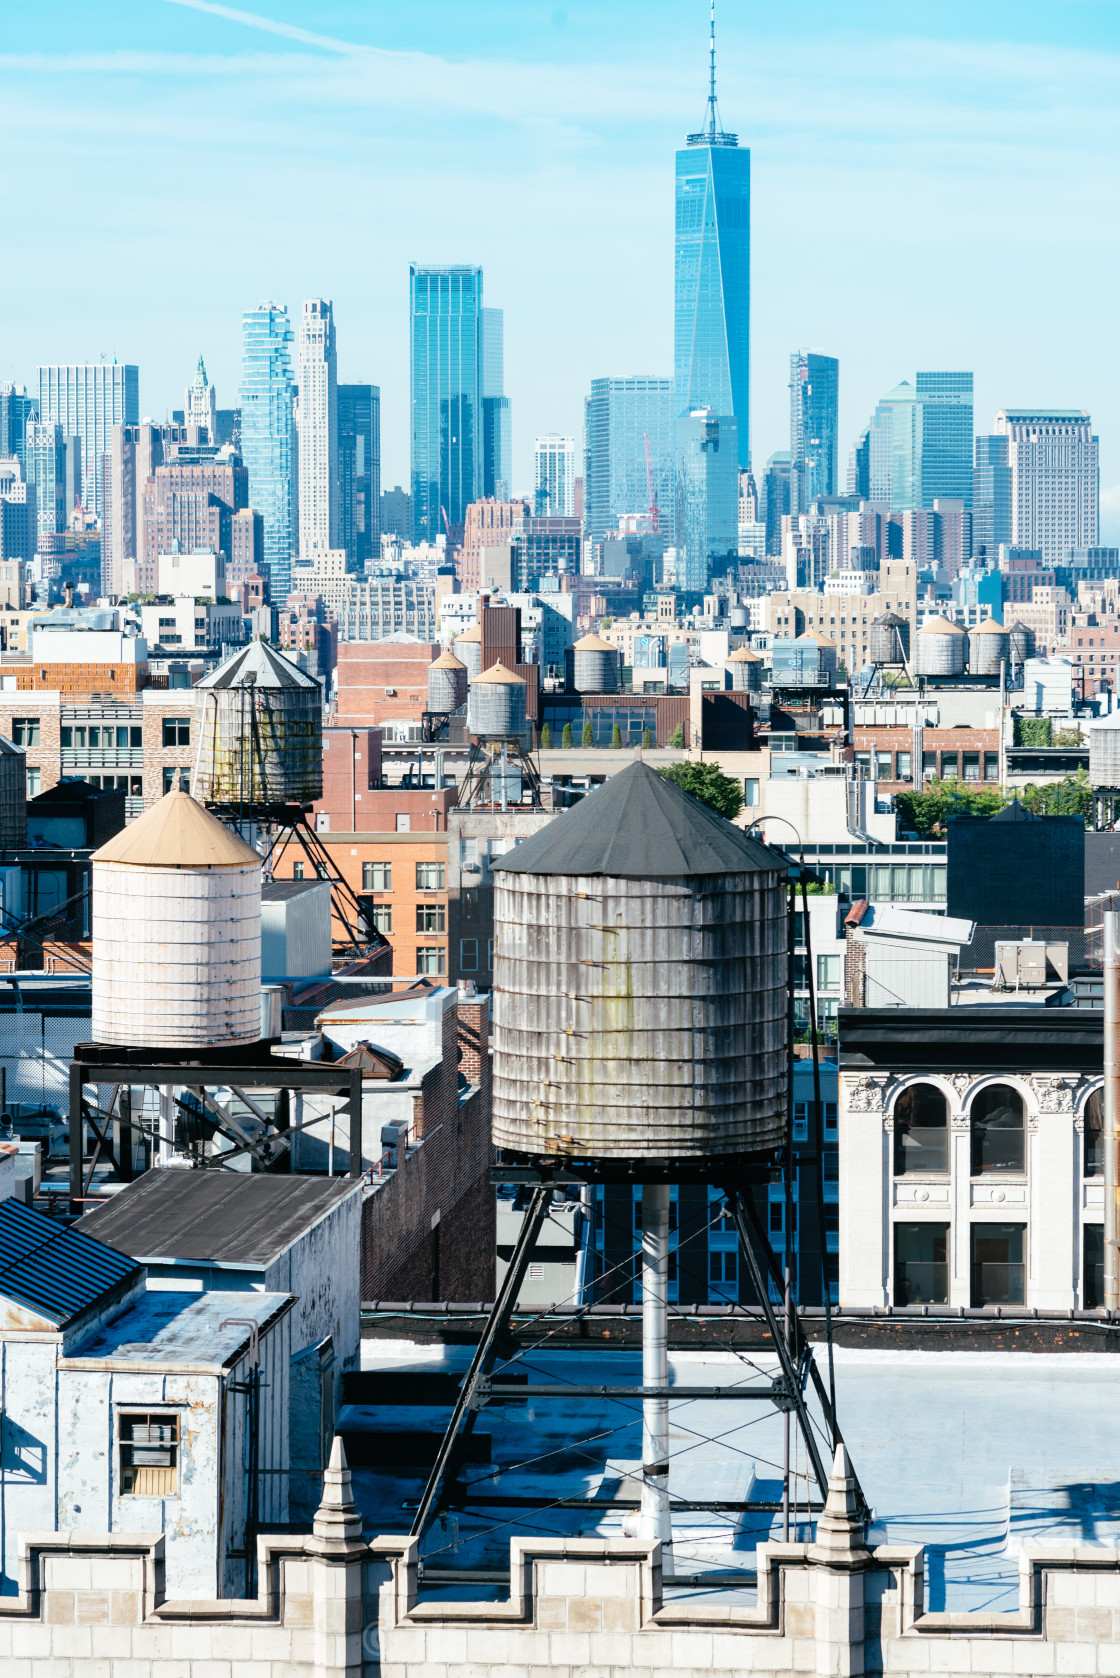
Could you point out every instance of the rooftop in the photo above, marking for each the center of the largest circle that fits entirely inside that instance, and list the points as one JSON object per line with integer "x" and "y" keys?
{"x": 177, "y": 1330}
{"x": 54, "y": 1271}
{"x": 177, "y": 833}
{"x": 258, "y": 665}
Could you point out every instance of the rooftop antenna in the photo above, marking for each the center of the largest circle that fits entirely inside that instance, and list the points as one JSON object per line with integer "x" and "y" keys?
{"x": 712, "y": 133}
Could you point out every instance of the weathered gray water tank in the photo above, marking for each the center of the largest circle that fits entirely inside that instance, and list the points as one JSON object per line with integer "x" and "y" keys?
{"x": 890, "y": 639}
{"x": 595, "y": 664}
{"x": 468, "y": 648}
{"x": 13, "y": 796}
{"x": 988, "y": 645}
{"x": 1022, "y": 643}
{"x": 746, "y": 670}
{"x": 639, "y": 982}
{"x": 447, "y": 684}
{"x": 496, "y": 703}
{"x": 259, "y": 721}
{"x": 940, "y": 648}
{"x": 1104, "y": 751}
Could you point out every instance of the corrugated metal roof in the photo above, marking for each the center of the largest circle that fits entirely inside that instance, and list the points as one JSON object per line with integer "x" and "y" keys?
{"x": 208, "y": 1217}
{"x": 639, "y": 826}
{"x": 53, "y": 1269}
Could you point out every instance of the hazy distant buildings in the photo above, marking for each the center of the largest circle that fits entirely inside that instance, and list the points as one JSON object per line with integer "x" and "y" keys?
{"x": 134, "y": 454}
{"x": 359, "y": 473}
{"x": 87, "y": 400}
{"x": 396, "y": 513}
{"x": 814, "y": 422}
{"x": 991, "y": 495}
{"x": 1055, "y": 478}
{"x": 54, "y": 472}
{"x": 921, "y": 443}
{"x": 777, "y": 498}
{"x": 497, "y": 430}
{"x": 200, "y": 403}
{"x": 859, "y": 466}
{"x": 707, "y": 508}
{"x": 190, "y": 500}
{"x": 16, "y": 408}
{"x": 554, "y": 477}
{"x": 266, "y": 433}
{"x": 619, "y": 416}
{"x": 317, "y": 429}
{"x": 446, "y": 368}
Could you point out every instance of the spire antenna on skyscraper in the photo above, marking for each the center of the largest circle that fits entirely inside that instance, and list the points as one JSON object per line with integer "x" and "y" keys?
{"x": 712, "y": 133}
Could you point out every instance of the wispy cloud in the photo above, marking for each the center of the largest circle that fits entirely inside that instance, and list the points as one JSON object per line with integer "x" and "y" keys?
{"x": 270, "y": 26}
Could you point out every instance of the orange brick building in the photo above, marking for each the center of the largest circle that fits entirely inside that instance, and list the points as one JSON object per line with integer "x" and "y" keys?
{"x": 948, "y": 754}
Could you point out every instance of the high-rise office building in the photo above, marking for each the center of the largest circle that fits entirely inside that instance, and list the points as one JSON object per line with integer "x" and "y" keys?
{"x": 200, "y": 404}
{"x": 921, "y": 443}
{"x": 135, "y": 453}
{"x": 318, "y": 429}
{"x": 497, "y": 430}
{"x": 396, "y": 513}
{"x": 620, "y": 416}
{"x": 776, "y": 498}
{"x": 446, "y": 358}
{"x": 707, "y": 512}
{"x": 554, "y": 477}
{"x": 16, "y": 408}
{"x": 266, "y": 433}
{"x": 47, "y": 475}
{"x": 1055, "y": 479}
{"x": 711, "y": 367}
{"x": 359, "y": 473}
{"x": 814, "y": 422}
{"x": 859, "y": 465}
{"x": 190, "y": 499}
{"x": 991, "y": 495}
{"x": 87, "y": 400}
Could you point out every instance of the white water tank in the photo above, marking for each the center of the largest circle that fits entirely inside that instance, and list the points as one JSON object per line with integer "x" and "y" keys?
{"x": 176, "y": 932}
{"x": 988, "y": 645}
{"x": 595, "y": 665}
{"x": 940, "y": 648}
{"x": 746, "y": 670}
{"x": 467, "y": 647}
{"x": 447, "y": 684}
{"x": 496, "y": 703}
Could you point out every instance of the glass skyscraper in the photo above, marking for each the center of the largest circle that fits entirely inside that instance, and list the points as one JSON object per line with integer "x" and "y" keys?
{"x": 359, "y": 473}
{"x": 497, "y": 438}
{"x": 814, "y": 420}
{"x": 447, "y": 389}
{"x": 266, "y": 433}
{"x": 921, "y": 443}
{"x": 619, "y": 415}
{"x": 711, "y": 365}
{"x": 991, "y": 495}
{"x": 87, "y": 400}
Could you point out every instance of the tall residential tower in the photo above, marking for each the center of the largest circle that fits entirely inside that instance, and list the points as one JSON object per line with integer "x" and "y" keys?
{"x": 87, "y": 401}
{"x": 446, "y": 364}
{"x": 266, "y": 433}
{"x": 814, "y": 398}
{"x": 1055, "y": 478}
{"x": 318, "y": 429}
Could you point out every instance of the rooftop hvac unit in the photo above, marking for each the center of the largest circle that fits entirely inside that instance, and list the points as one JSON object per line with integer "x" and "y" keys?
{"x": 1029, "y": 964}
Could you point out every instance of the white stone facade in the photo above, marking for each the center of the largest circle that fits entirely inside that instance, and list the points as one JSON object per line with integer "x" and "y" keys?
{"x": 1052, "y": 1196}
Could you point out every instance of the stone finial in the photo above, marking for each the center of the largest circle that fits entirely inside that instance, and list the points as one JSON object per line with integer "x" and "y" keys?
{"x": 337, "y": 1521}
{"x": 841, "y": 1539}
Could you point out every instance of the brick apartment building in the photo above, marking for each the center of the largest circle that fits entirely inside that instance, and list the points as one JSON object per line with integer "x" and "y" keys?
{"x": 143, "y": 745}
{"x": 948, "y": 754}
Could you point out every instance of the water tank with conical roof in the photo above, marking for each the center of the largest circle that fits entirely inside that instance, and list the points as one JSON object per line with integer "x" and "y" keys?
{"x": 468, "y": 648}
{"x": 447, "y": 684}
{"x": 595, "y": 665}
{"x": 176, "y": 931}
{"x": 496, "y": 704}
{"x": 890, "y": 639}
{"x": 260, "y": 732}
{"x": 746, "y": 670}
{"x": 1104, "y": 752}
{"x": 640, "y": 982}
{"x": 940, "y": 648}
{"x": 988, "y": 645}
{"x": 1022, "y": 643}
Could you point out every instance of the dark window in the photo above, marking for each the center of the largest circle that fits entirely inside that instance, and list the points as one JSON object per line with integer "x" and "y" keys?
{"x": 430, "y": 917}
{"x": 149, "y": 1455}
{"x": 921, "y": 1130}
{"x": 997, "y": 1264}
{"x": 723, "y": 1267}
{"x": 176, "y": 778}
{"x": 380, "y": 916}
{"x": 431, "y": 876}
{"x": 25, "y": 731}
{"x": 136, "y": 736}
{"x": 998, "y": 1133}
{"x": 1092, "y": 1279}
{"x": 1094, "y": 1136}
{"x": 921, "y": 1264}
{"x": 176, "y": 731}
{"x": 377, "y": 876}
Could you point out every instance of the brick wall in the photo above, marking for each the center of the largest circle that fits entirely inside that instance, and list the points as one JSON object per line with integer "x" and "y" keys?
{"x": 366, "y": 668}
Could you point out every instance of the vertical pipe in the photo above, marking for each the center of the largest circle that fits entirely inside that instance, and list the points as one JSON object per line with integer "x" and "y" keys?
{"x": 1111, "y": 1107}
{"x": 1002, "y": 714}
{"x": 655, "y": 1523}
{"x": 126, "y": 1170}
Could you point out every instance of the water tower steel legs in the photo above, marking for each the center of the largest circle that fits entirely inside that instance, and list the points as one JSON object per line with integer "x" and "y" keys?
{"x": 655, "y": 1522}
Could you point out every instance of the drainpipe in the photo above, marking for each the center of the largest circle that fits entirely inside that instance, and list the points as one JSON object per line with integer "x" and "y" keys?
{"x": 655, "y": 1522}
{"x": 1111, "y": 1107}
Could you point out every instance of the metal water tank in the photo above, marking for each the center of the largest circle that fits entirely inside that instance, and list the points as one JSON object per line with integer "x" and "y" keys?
{"x": 13, "y": 796}
{"x": 639, "y": 982}
{"x": 595, "y": 665}
{"x": 259, "y": 722}
{"x": 739, "y": 618}
{"x": 496, "y": 703}
{"x": 1104, "y": 751}
{"x": 447, "y": 684}
{"x": 746, "y": 670}
{"x": 940, "y": 648}
{"x": 176, "y": 931}
{"x": 468, "y": 648}
{"x": 1022, "y": 643}
{"x": 988, "y": 645}
{"x": 890, "y": 639}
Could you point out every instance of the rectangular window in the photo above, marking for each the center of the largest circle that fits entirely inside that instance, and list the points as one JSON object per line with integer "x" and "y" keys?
{"x": 750, "y": 792}
{"x": 135, "y": 737}
{"x": 377, "y": 876}
{"x": 95, "y": 739}
{"x": 921, "y": 1267}
{"x": 431, "y": 876}
{"x": 1092, "y": 1275}
{"x": 176, "y": 778}
{"x": 949, "y": 766}
{"x": 929, "y": 765}
{"x": 468, "y": 955}
{"x": 830, "y": 1118}
{"x": 136, "y": 786}
{"x": 991, "y": 766}
{"x": 149, "y": 1454}
{"x": 431, "y": 960}
{"x": 25, "y": 731}
{"x": 723, "y": 1267}
{"x": 176, "y": 731}
{"x": 297, "y": 870}
{"x": 829, "y": 972}
{"x": 34, "y": 782}
{"x": 902, "y": 765}
{"x": 972, "y": 766}
{"x": 431, "y": 917}
{"x": 997, "y": 1264}
{"x": 380, "y": 916}
{"x": 801, "y": 1121}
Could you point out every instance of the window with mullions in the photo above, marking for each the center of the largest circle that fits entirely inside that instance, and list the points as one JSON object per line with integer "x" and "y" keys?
{"x": 1094, "y": 1136}
{"x": 148, "y": 1443}
{"x": 998, "y": 1131}
{"x": 921, "y": 1130}
{"x": 723, "y": 1268}
{"x": 377, "y": 876}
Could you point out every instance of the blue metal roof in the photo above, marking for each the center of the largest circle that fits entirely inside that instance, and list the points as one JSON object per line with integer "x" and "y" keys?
{"x": 53, "y": 1269}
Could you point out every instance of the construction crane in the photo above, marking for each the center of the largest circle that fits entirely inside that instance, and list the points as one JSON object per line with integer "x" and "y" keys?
{"x": 654, "y": 511}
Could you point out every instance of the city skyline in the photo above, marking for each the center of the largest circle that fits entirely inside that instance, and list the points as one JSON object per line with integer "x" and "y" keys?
{"x": 980, "y": 131}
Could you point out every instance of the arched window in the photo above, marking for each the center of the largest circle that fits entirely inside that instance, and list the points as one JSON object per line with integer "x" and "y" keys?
{"x": 921, "y": 1130}
{"x": 1094, "y": 1135}
{"x": 998, "y": 1131}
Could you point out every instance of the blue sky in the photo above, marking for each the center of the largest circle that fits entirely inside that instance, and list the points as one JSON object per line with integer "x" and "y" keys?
{"x": 934, "y": 186}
